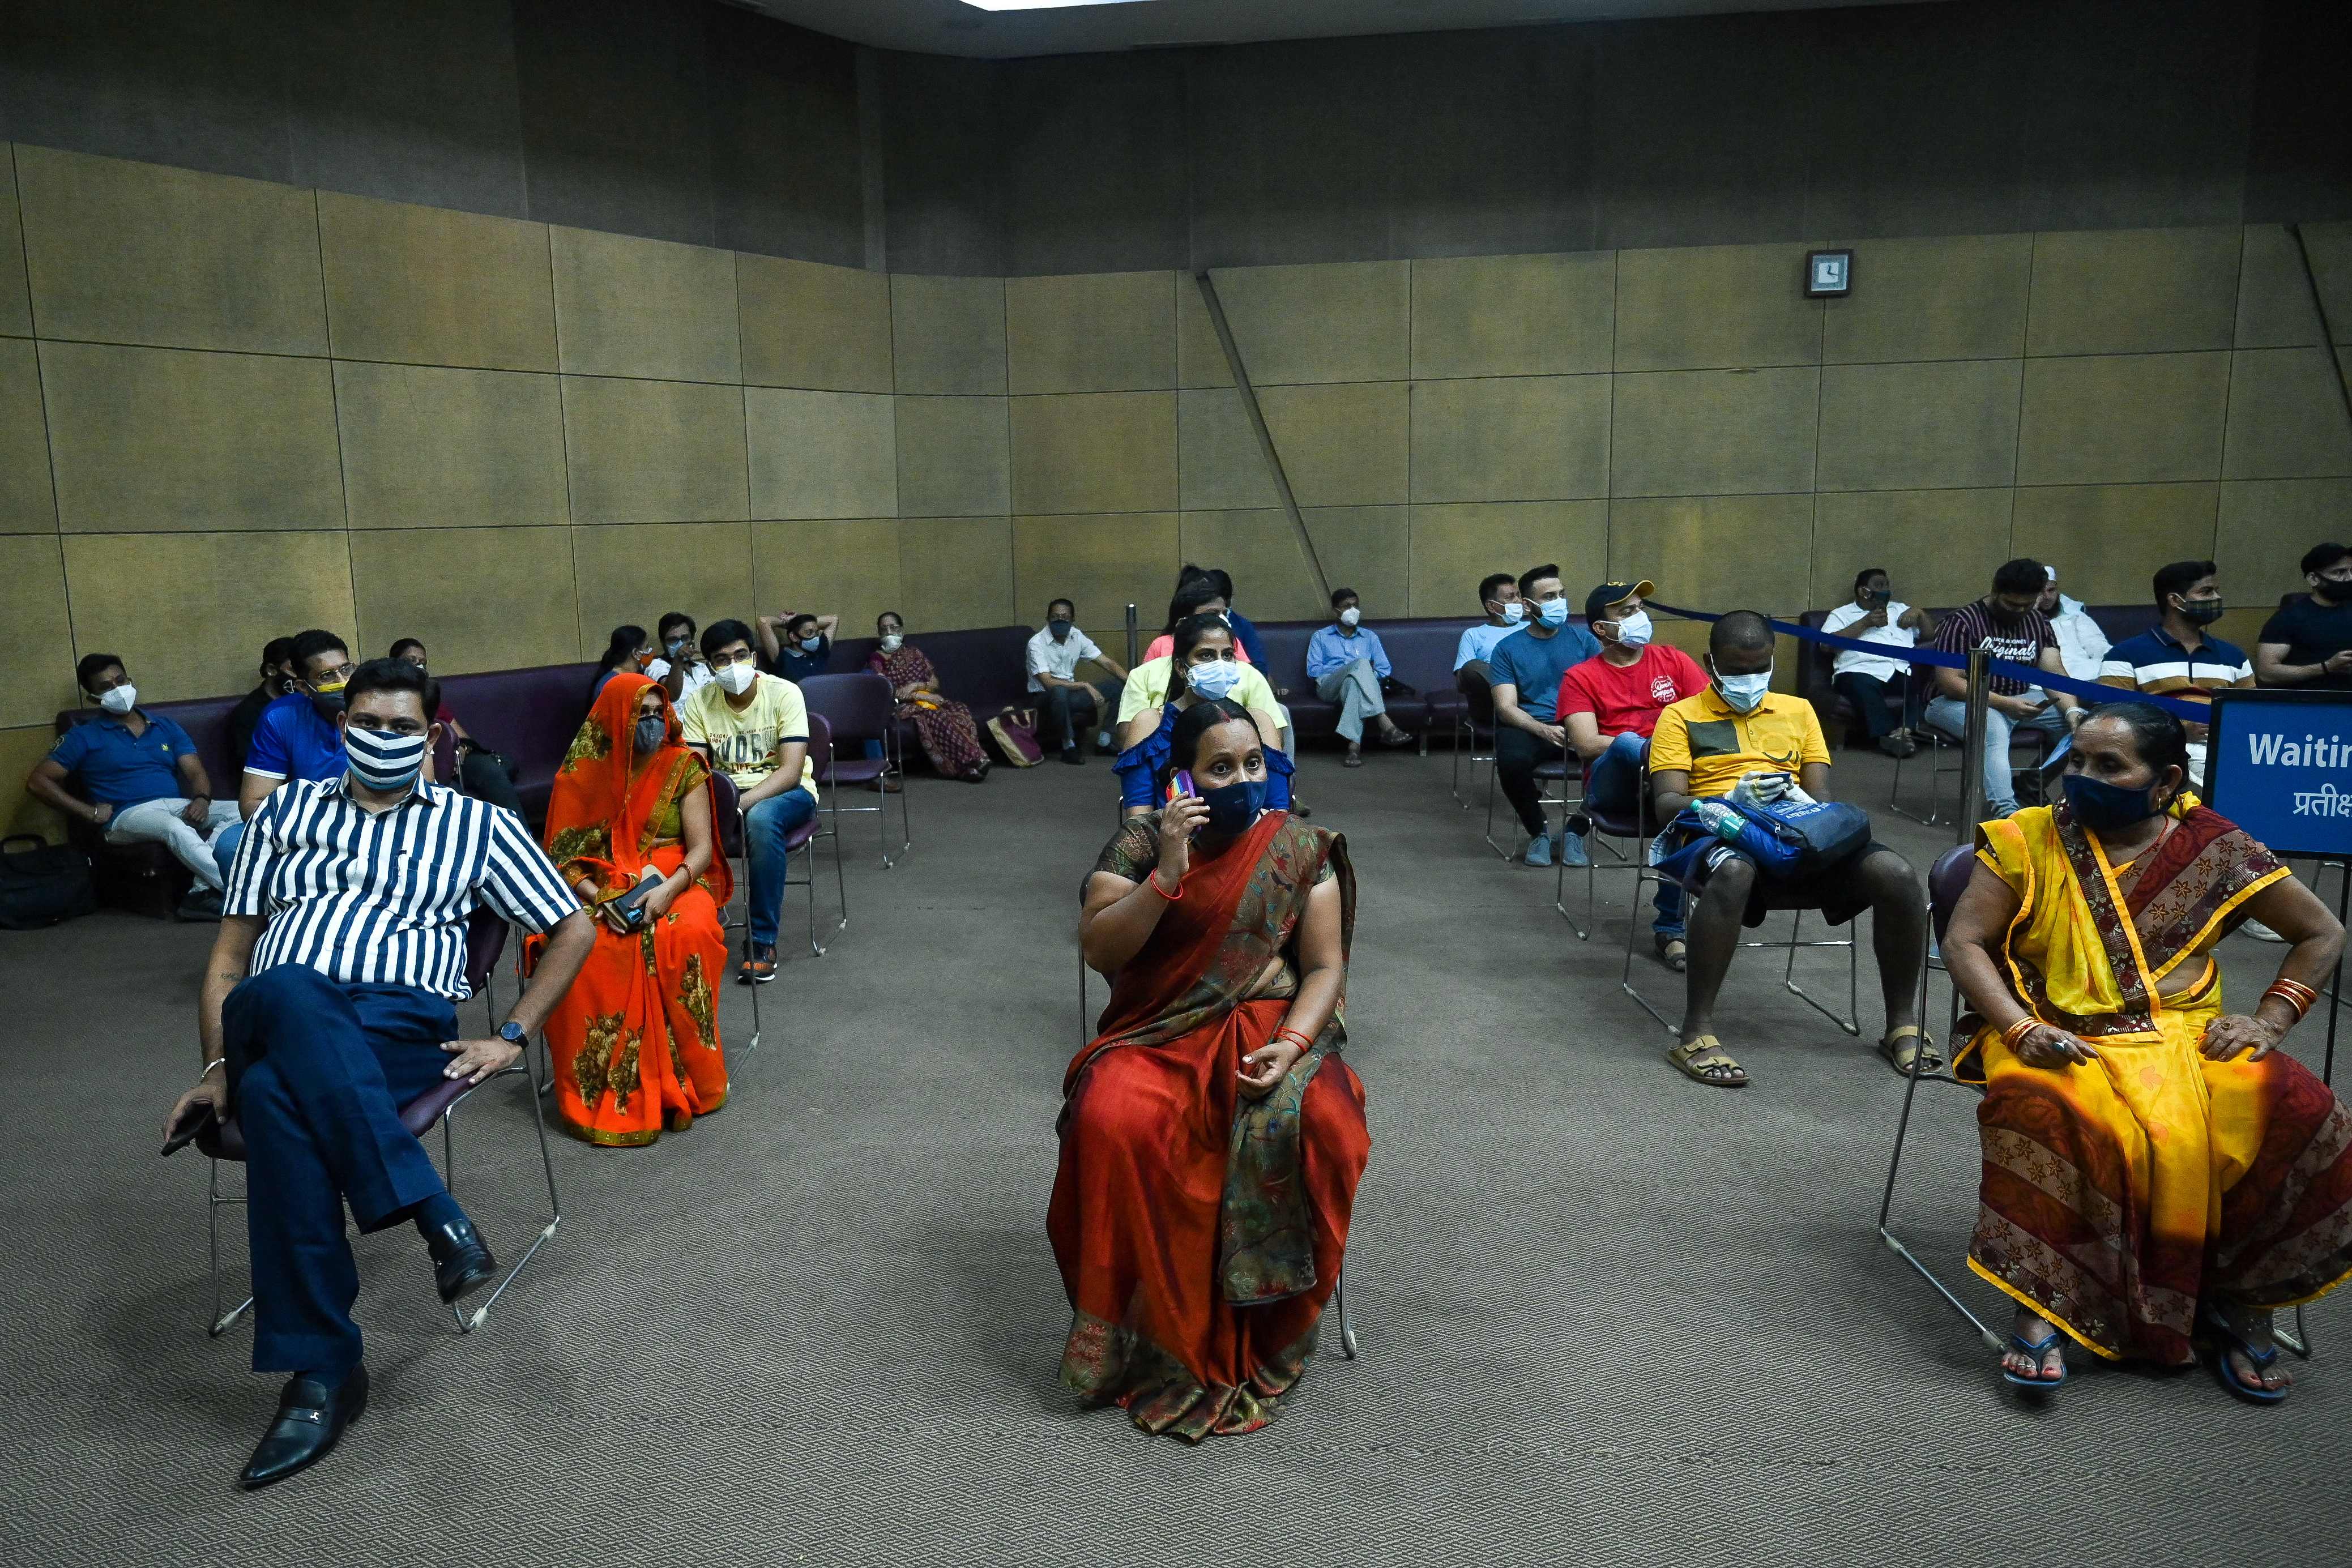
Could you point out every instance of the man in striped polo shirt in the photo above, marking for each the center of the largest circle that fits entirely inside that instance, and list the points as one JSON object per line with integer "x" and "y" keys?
{"x": 2175, "y": 658}
{"x": 327, "y": 1007}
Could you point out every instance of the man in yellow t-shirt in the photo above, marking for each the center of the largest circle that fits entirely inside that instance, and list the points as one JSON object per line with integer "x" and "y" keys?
{"x": 753, "y": 727}
{"x": 1740, "y": 739}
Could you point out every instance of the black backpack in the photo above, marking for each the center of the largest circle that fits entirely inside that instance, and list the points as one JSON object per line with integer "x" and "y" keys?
{"x": 42, "y": 884}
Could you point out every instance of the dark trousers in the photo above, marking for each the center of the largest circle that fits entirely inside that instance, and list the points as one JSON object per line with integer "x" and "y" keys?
{"x": 1616, "y": 784}
{"x": 1517, "y": 755}
{"x": 323, "y": 1070}
{"x": 484, "y": 778}
{"x": 1064, "y": 714}
{"x": 1868, "y": 695}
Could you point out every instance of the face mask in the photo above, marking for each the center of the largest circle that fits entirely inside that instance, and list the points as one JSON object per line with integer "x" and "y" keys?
{"x": 811, "y": 644}
{"x": 1552, "y": 612}
{"x": 674, "y": 646}
{"x": 1060, "y": 630}
{"x": 1744, "y": 693}
{"x": 1233, "y": 807}
{"x": 1213, "y": 680}
{"x": 737, "y": 678}
{"x": 651, "y": 733}
{"x": 892, "y": 642}
{"x": 2104, "y": 807}
{"x": 1634, "y": 630}
{"x": 2201, "y": 611}
{"x": 1514, "y": 612}
{"x": 2328, "y": 591}
{"x": 1351, "y": 615}
{"x": 381, "y": 760}
{"x": 120, "y": 700}
{"x": 326, "y": 700}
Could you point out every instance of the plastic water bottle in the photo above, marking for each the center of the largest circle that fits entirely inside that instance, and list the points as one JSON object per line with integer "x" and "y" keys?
{"x": 1721, "y": 819}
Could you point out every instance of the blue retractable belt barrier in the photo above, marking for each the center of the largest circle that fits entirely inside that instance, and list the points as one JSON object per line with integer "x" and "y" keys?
{"x": 2196, "y": 713}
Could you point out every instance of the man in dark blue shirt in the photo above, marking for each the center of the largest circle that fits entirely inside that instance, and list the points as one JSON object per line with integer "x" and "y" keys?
{"x": 797, "y": 644}
{"x": 141, "y": 780}
{"x": 1526, "y": 671}
{"x": 299, "y": 737}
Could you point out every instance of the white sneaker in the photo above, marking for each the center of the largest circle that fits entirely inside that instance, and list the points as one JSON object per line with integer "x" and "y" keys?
{"x": 2259, "y": 932}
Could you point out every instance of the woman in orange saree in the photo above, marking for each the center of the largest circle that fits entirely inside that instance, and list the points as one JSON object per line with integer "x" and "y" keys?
{"x": 2157, "y": 1175}
{"x": 1212, "y": 1137}
{"x": 634, "y": 1042}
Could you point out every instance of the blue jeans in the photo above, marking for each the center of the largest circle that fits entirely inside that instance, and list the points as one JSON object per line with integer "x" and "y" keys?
{"x": 325, "y": 1068}
{"x": 768, "y": 825}
{"x": 1615, "y": 784}
{"x": 225, "y": 848}
{"x": 1950, "y": 714}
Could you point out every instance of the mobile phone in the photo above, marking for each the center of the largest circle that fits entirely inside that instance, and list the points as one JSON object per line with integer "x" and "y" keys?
{"x": 1180, "y": 785}
{"x": 184, "y": 1131}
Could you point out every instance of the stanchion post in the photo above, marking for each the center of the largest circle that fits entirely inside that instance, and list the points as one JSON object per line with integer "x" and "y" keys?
{"x": 1972, "y": 745}
{"x": 1134, "y": 648}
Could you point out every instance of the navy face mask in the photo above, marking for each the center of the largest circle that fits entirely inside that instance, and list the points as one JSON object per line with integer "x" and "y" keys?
{"x": 2103, "y": 807}
{"x": 1233, "y": 807}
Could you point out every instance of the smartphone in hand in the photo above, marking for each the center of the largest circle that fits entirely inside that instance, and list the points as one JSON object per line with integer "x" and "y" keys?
{"x": 184, "y": 1131}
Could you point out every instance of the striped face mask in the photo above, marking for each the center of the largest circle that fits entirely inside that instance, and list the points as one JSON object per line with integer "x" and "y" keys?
{"x": 382, "y": 759}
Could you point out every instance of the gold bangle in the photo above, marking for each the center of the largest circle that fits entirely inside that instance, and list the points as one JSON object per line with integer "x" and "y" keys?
{"x": 2019, "y": 1030}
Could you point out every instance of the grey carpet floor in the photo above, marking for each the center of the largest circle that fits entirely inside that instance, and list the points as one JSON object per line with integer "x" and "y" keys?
{"x": 1608, "y": 1315}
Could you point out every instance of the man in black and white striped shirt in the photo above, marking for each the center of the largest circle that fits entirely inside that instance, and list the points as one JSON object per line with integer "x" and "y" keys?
{"x": 327, "y": 1007}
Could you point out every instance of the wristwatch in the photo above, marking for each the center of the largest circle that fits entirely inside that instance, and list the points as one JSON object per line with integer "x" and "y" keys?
{"x": 513, "y": 1033}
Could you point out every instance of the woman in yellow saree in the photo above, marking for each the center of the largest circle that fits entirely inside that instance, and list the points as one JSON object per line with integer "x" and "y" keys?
{"x": 2157, "y": 1175}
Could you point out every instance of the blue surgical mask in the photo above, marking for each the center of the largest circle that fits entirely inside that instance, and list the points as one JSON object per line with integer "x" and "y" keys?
{"x": 1745, "y": 694}
{"x": 381, "y": 760}
{"x": 1060, "y": 629}
{"x": 1233, "y": 807}
{"x": 2104, "y": 807}
{"x": 1553, "y": 611}
{"x": 810, "y": 644}
{"x": 1213, "y": 680}
{"x": 1514, "y": 611}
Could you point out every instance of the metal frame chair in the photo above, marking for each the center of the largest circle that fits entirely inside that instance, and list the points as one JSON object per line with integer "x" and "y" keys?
{"x": 1939, "y": 743}
{"x": 862, "y": 707}
{"x": 733, "y": 820}
{"x": 486, "y": 940}
{"x": 1470, "y": 730}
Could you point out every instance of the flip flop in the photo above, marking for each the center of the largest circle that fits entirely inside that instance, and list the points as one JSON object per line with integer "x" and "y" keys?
{"x": 1673, "y": 954}
{"x": 2038, "y": 1383}
{"x": 2218, "y": 1329}
{"x": 1683, "y": 1058}
{"x": 1901, "y": 1061}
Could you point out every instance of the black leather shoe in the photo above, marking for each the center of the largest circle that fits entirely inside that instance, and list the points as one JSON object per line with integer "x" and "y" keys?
{"x": 310, "y": 1417}
{"x": 462, "y": 1263}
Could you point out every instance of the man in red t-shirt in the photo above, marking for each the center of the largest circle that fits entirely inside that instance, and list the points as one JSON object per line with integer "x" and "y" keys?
{"x": 1610, "y": 705}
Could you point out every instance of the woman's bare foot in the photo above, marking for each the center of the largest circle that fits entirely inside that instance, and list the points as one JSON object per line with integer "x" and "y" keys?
{"x": 2050, "y": 1365}
{"x": 2253, "y": 1326}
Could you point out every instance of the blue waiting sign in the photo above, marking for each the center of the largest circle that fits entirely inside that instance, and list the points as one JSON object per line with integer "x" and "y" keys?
{"x": 2279, "y": 766}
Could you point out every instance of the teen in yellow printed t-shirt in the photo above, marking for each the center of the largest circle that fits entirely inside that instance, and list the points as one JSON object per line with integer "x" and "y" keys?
{"x": 753, "y": 726}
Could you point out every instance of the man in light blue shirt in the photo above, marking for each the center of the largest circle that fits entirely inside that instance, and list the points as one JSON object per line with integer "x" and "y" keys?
{"x": 1498, "y": 596}
{"x": 1347, "y": 664}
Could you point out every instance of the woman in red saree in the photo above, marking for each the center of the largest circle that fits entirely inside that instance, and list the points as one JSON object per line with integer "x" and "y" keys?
{"x": 634, "y": 1042}
{"x": 2157, "y": 1173}
{"x": 944, "y": 725}
{"x": 1212, "y": 1137}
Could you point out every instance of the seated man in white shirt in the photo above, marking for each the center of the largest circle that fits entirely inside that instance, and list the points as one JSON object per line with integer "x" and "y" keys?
{"x": 1498, "y": 597}
{"x": 1865, "y": 680}
{"x": 2082, "y": 646}
{"x": 681, "y": 669}
{"x": 1068, "y": 707}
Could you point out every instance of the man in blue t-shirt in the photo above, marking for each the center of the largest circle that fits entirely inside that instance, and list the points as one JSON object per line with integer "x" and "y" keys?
{"x": 1526, "y": 671}
{"x": 297, "y": 738}
{"x": 141, "y": 780}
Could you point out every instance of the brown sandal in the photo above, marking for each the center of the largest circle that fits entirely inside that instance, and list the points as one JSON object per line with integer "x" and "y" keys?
{"x": 1922, "y": 1049}
{"x": 1721, "y": 1071}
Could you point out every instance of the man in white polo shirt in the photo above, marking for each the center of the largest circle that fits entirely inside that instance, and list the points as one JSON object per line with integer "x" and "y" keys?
{"x": 1067, "y": 705}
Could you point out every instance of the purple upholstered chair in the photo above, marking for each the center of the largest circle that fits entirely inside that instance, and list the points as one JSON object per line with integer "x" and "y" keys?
{"x": 223, "y": 1142}
{"x": 862, "y": 707}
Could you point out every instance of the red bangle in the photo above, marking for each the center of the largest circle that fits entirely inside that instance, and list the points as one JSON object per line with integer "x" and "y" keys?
{"x": 1152, "y": 877}
{"x": 2294, "y": 994}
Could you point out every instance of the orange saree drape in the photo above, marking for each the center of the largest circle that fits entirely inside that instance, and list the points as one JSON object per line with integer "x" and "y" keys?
{"x": 1200, "y": 1233}
{"x": 634, "y": 1042}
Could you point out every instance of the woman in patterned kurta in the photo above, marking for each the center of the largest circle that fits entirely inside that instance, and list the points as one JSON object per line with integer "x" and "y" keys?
{"x": 636, "y": 1040}
{"x": 944, "y": 725}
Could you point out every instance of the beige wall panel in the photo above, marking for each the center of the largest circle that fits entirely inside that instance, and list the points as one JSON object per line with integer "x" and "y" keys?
{"x": 808, "y": 325}
{"x": 190, "y": 612}
{"x": 1104, "y": 331}
{"x": 956, "y": 573}
{"x": 2331, "y": 266}
{"x": 1345, "y": 444}
{"x": 654, "y": 451}
{"x": 1367, "y": 549}
{"x": 2108, "y": 539}
{"x": 1716, "y": 552}
{"x": 842, "y": 566}
{"x": 20, "y": 813}
{"x": 1199, "y": 357}
{"x": 2274, "y": 310}
{"x": 955, "y": 457}
{"x": 2266, "y": 524}
{"x": 429, "y": 447}
{"x": 478, "y": 599}
{"x": 35, "y": 632}
{"x": 947, "y": 334}
{"x": 630, "y": 307}
{"x": 1936, "y": 424}
{"x": 1104, "y": 562}
{"x": 1961, "y": 298}
{"x": 2128, "y": 419}
{"x": 27, "y": 506}
{"x": 1516, "y": 438}
{"x": 425, "y": 286}
{"x": 16, "y": 305}
{"x": 1513, "y": 315}
{"x": 1688, "y": 432}
{"x": 632, "y": 575}
{"x": 1342, "y": 321}
{"x": 1454, "y": 546}
{"x": 2134, "y": 291}
{"x": 1095, "y": 452}
{"x": 2286, "y": 416}
{"x": 822, "y": 454}
{"x": 1711, "y": 307}
{"x": 1939, "y": 547}
{"x": 144, "y": 439}
{"x": 1222, "y": 465}
{"x": 136, "y": 253}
